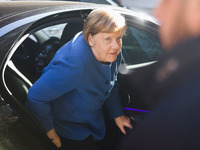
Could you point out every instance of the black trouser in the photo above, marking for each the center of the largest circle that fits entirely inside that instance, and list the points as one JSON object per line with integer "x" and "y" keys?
{"x": 87, "y": 144}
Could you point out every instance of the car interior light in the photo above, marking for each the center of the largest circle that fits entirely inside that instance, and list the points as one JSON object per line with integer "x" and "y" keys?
{"x": 133, "y": 109}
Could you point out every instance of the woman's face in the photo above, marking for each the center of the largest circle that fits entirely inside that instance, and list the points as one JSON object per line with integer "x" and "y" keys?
{"x": 105, "y": 46}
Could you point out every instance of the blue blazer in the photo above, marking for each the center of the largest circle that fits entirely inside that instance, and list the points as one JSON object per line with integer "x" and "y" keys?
{"x": 70, "y": 93}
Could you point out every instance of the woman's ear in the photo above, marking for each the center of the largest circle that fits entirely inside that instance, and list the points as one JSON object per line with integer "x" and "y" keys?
{"x": 91, "y": 40}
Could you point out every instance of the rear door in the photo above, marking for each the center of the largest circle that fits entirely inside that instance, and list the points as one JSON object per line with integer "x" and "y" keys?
{"x": 141, "y": 48}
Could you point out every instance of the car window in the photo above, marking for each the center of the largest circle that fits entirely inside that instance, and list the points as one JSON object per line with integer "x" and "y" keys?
{"x": 140, "y": 47}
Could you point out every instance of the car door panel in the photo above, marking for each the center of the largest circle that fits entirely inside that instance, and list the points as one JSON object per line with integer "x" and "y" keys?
{"x": 141, "y": 48}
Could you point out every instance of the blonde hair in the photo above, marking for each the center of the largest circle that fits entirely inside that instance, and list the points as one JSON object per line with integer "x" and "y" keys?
{"x": 106, "y": 21}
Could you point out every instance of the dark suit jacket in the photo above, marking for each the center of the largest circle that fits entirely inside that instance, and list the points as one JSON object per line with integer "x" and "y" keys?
{"x": 172, "y": 91}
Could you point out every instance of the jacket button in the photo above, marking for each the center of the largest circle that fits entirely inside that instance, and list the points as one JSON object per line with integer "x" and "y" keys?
{"x": 106, "y": 93}
{"x": 106, "y": 82}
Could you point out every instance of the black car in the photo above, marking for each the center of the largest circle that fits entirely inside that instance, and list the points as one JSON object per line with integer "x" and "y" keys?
{"x": 30, "y": 34}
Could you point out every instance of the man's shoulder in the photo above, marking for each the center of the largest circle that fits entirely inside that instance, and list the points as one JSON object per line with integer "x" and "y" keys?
{"x": 169, "y": 72}
{"x": 177, "y": 69}
{"x": 180, "y": 59}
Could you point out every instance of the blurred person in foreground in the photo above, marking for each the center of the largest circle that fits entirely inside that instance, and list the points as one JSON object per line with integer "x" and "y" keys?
{"x": 171, "y": 87}
{"x": 67, "y": 99}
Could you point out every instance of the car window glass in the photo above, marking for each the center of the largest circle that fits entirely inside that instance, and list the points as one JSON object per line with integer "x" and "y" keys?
{"x": 140, "y": 46}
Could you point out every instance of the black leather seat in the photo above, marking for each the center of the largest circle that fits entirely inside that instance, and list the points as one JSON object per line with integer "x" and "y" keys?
{"x": 70, "y": 31}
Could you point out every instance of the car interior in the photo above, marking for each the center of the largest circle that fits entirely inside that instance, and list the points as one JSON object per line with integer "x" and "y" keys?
{"x": 30, "y": 58}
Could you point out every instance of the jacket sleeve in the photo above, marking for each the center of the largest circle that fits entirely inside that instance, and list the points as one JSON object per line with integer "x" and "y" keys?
{"x": 64, "y": 75}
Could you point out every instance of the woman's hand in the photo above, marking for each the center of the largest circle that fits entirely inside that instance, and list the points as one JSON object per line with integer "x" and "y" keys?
{"x": 123, "y": 121}
{"x": 54, "y": 137}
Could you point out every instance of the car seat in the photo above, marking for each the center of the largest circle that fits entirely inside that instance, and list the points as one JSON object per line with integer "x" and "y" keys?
{"x": 70, "y": 30}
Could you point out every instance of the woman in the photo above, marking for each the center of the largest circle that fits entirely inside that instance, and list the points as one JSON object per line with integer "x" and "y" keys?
{"x": 67, "y": 99}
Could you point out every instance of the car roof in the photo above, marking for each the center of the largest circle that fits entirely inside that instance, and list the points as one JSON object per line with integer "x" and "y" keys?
{"x": 13, "y": 8}
{"x": 10, "y": 8}
{"x": 13, "y": 11}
